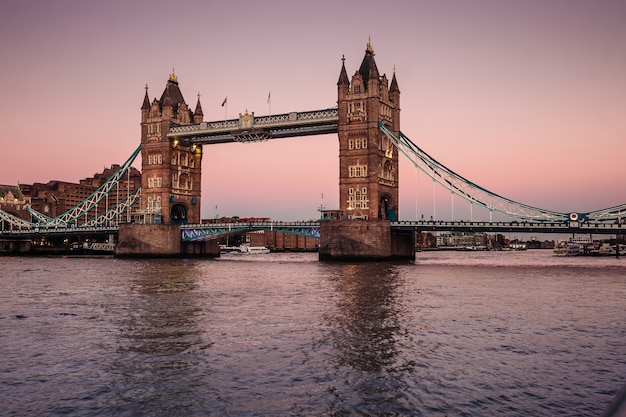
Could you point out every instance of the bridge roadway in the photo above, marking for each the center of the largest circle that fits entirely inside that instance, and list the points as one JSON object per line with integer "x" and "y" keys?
{"x": 205, "y": 231}
{"x": 208, "y": 231}
{"x": 511, "y": 226}
{"x": 249, "y": 128}
{"x": 59, "y": 231}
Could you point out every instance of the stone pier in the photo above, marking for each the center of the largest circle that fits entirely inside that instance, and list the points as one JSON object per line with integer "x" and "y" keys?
{"x": 14, "y": 247}
{"x": 364, "y": 240}
{"x": 159, "y": 240}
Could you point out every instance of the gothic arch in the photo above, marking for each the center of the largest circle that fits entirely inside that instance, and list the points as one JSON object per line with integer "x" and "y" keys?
{"x": 385, "y": 211}
{"x": 178, "y": 215}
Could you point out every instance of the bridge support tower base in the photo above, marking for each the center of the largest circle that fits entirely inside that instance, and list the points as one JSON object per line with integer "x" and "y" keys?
{"x": 14, "y": 247}
{"x": 364, "y": 240}
{"x": 159, "y": 240}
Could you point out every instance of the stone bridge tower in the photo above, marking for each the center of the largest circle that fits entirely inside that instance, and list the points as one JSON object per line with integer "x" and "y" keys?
{"x": 171, "y": 169}
{"x": 368, "y": 161}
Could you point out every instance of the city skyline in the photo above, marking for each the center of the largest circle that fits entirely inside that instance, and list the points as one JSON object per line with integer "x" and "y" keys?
{"x": 524, "y": 99}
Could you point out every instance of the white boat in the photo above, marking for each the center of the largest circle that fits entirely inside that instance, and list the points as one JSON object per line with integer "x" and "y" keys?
{"x": 560, "y": 249}
{"x": 573, "y": 249}
{"x": 253, "y": 250}
{"x": 228, "y": 249}
{"x": 612, "y": 250}
{"x": 575, "y": 246}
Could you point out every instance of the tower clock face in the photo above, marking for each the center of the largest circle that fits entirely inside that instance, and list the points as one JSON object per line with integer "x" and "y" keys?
{"x": 46, "y": 208}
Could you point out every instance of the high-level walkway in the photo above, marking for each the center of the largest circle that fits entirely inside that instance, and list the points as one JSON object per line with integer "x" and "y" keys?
{"x": 249, "y": 128}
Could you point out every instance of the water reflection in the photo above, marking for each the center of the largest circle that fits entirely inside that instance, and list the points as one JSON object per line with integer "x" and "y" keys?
{"x": 368, "y": 338}
{"x": 160, "y": 346}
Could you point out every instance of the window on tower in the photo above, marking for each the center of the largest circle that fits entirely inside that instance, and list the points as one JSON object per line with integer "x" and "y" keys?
{"x": 155, "y": 182}
{"x": 357, "y": 170}
{"x": 357, "y": 198}
{"x": 155, "y": 159}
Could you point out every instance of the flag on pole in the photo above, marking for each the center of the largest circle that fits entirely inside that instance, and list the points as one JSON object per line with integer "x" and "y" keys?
{"x": 224, "y": 102}
{"x": 268, "y": 96}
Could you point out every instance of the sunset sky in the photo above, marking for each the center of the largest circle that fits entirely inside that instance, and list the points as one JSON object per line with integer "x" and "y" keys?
{"x": 525, "y": 98}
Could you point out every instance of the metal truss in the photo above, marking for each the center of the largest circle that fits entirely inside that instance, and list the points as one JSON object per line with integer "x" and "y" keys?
{"x": 249, "y": 128}
{"x": 116, "y": 211}
{"x": 203, "y": 232}
{"x": 41, "y": 218}
{"x": 210, "y": 231}
{"x": 14, "y": 220}
{"x": 252, "y": 136}
{"x": 617, "y": 213}
{"x": 72, "y": 215}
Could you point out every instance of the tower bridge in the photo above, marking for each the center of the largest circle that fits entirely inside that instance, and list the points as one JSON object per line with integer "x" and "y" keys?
{"x": 163, "y": 216}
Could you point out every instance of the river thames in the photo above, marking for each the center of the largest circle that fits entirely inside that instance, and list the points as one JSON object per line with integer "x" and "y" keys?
{"x": 453, "y": 334}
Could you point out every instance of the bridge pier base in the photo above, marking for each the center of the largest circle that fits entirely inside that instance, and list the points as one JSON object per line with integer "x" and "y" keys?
{"x": 159, "y": 240}
{"x": 13, "y": 247}
{"x": 364, "y": 240}
{"x": 148, "y": 240}
{"x": 202, "y": 248}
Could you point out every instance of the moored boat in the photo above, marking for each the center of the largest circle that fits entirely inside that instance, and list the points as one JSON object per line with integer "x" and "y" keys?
{"x": 576, "y": 246}
{"x": 612, "y": 250}
{"x": 253, "y": 250}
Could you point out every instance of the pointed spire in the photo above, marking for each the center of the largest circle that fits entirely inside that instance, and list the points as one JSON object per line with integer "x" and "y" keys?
{"x": 394, "y": 82}
{"x": 146, "y": 100}
{"x": 172, "y": 96}
{"x": 198, "y": 111}
{"x": 368, "y": 69}
{"x": 343, "y": 75}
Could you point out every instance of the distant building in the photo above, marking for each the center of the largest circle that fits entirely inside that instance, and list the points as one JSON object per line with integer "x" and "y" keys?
{"x": 14, "y": 202}
{"x": 57, "y": 197}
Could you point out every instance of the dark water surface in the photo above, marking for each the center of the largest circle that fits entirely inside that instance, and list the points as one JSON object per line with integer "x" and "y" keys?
{"x": 455, "y": 334}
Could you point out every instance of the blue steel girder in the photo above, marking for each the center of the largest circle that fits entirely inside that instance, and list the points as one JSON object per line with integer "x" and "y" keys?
{"x": 248, "y": 128}
{"x": 190, "y": 233}
{"x": 213, "y": 231}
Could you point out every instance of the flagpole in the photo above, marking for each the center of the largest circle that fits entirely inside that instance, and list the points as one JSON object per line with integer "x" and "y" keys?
{"x": 225, "y": 105}
{"x": 269, "y": 102}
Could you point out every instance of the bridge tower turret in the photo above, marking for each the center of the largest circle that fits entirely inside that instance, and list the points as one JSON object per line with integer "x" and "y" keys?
{"x": 171, "y": 168}
{"x": 368, "y": 161}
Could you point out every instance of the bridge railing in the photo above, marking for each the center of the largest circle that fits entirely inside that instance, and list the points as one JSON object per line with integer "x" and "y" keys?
{"x": 59, "y": 230}
{"x": 323, "y": 116}
{"x": 521, "y": 226}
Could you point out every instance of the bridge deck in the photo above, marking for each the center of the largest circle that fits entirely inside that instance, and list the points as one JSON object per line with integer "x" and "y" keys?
{"x": 512, "y": 226}
{"x": 311, "y": 228}
{"x": 248, "y": 128}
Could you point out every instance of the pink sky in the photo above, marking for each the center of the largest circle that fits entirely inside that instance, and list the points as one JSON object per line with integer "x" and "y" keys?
{"x": 525, "y": 98}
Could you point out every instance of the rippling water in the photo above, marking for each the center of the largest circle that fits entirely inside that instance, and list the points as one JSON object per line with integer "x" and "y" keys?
{"x": 454, "y": 334}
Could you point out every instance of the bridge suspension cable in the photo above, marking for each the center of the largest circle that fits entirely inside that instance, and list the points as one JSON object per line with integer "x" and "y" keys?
{"x": 85, "y": 206}
{"x": 611, "y": 213}
{"x": 115, "y": 211}
{"x": 480, "y": 196}
{"x": 14, "y": 220}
